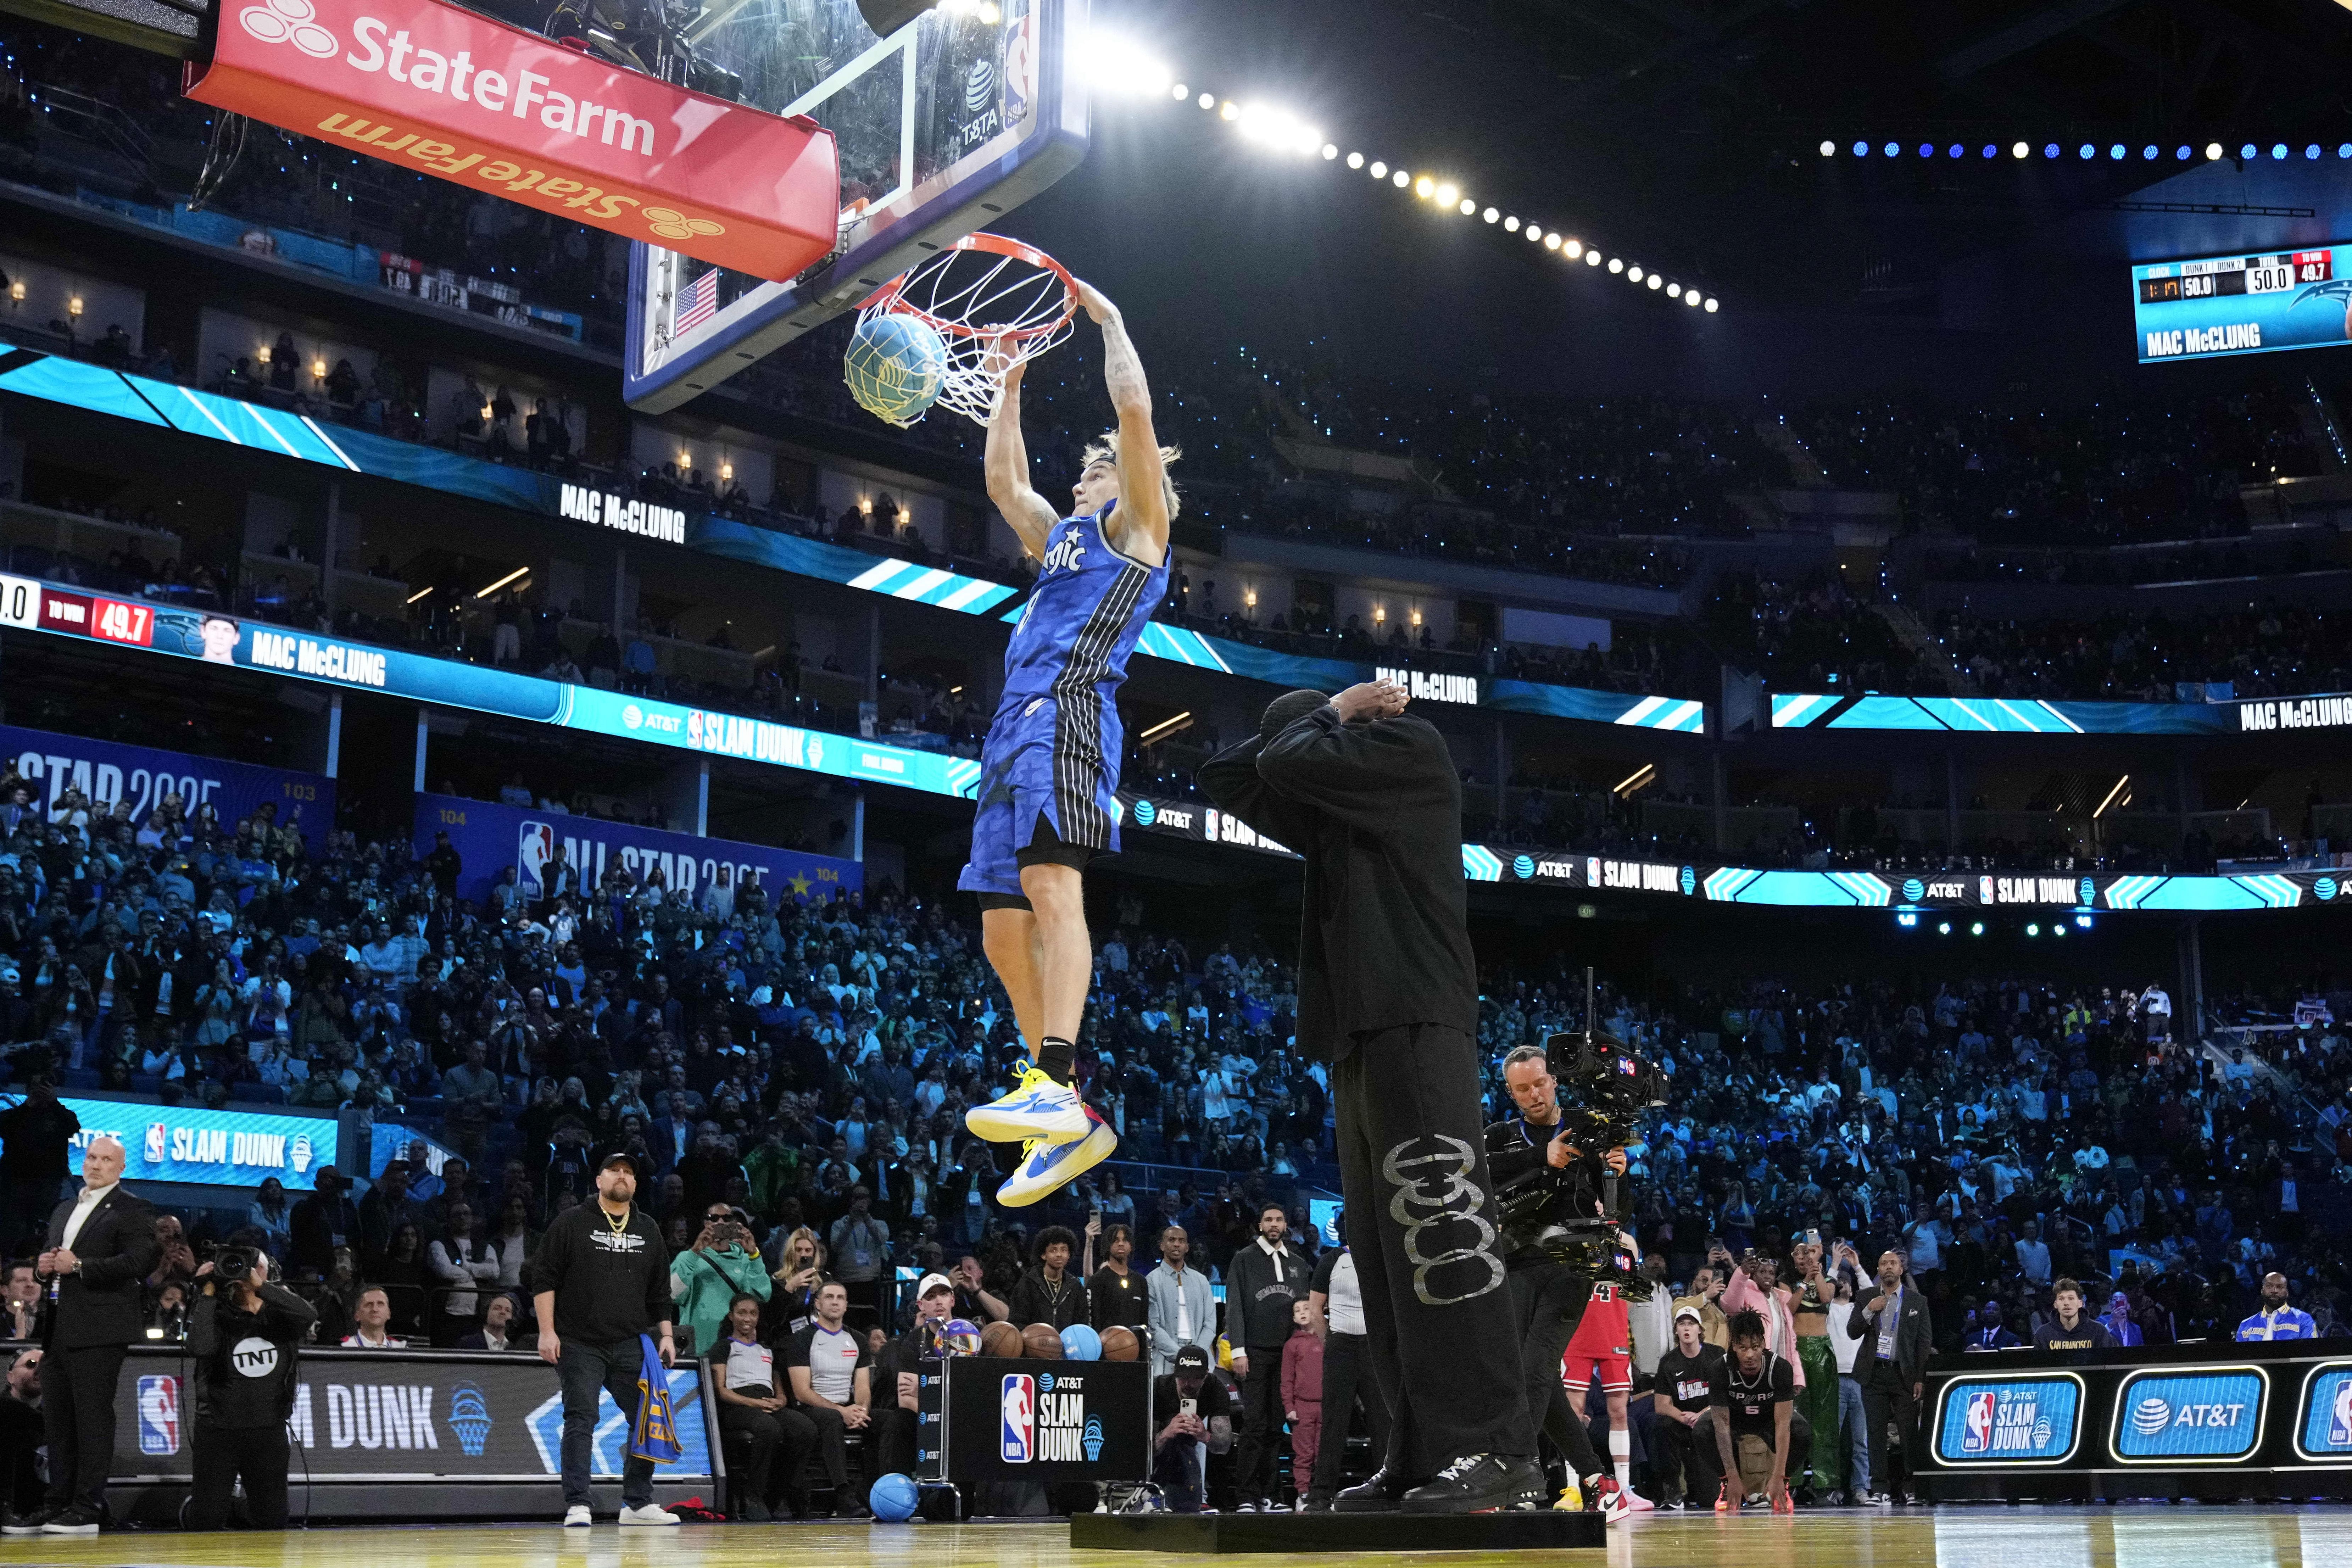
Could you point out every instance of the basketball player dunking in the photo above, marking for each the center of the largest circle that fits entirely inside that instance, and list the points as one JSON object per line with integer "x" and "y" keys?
{"x": 1049, "y": 770}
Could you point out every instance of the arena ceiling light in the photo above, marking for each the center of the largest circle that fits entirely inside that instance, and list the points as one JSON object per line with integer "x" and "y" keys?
{"x": 1124, "y": 67}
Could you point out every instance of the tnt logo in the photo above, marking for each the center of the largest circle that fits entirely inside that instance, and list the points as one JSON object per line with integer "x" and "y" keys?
{"x": 291, "y": 21}
{"x": 534, "y": 851}
{"x": 153, "y": 1144}
{"x": 1017, "y": 1404}
{"x": 2339, "y": 1416}
{"x": 159, "y": 1416}
{"x": 1977, "y": 1439}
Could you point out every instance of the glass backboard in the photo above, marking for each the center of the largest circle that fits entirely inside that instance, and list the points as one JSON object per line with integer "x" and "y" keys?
{"x": 957, "y": 118}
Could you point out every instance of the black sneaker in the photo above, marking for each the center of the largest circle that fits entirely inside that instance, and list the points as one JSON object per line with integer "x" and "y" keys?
{"x": 1315, "y": 1502}
{"x": 1477, "y": 1483}
{"x": 78, "y": 1519}
{"x": 29, "y": 1523}
{"x": 1379, "y": 1494}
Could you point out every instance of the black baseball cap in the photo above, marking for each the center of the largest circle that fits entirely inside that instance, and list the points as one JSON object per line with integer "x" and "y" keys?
{"x": 1191, "y": 1358}
{"x": 620, "y": 1157}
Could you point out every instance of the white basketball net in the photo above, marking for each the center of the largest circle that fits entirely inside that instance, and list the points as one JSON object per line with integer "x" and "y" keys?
{"x": 994, "y": 301}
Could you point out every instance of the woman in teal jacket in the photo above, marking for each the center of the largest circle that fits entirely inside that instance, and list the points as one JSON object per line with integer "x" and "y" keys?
{"x": 724, "y": 1263}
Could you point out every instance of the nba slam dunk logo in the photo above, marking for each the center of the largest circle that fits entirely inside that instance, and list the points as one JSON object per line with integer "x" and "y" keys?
{"x": 1042, "y": 1419}
{"x": 2021, "y": 1420}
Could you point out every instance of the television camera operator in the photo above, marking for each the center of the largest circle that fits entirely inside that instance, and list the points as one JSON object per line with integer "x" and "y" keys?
{"x": 1556, "y": 1173}
{"x": 245, "y": 1337}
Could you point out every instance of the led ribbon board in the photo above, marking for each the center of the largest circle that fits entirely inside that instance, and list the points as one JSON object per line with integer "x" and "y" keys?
{"x": 2031, "y": 716}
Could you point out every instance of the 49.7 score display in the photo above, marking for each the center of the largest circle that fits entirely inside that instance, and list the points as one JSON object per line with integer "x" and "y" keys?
{"x": 35, "y": 606}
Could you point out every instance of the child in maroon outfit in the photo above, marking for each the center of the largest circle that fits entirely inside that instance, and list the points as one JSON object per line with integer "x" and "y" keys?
{"x": 1302, "y": 1393}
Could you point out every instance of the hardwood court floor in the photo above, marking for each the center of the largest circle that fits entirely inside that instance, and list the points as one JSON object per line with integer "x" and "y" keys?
{"x": 2132, "y": 1536}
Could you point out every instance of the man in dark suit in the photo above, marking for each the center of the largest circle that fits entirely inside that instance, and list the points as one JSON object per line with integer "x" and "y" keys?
{"x": 324, "y": 1221}
{"x": 1891, "y": 1319}
{"x": 101, "y": 1244}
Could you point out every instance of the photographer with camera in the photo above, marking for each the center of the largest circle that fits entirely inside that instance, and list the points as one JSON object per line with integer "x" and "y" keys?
{"x": 1539, "y": 1174}
{"x": 1557, "y": 1172}
{"x": 245, "y": 1339}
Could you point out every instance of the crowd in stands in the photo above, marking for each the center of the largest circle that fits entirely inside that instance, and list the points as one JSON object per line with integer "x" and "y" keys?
{"x": 2269, "y": 651}
{"x": 1814, "y": 635}
{"x": 2026, "y": 472}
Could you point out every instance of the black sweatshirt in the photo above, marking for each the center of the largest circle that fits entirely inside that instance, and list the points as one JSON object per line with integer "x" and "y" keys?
{"x": 608, "y": 1287}
{"x": 1375, "y": 811}
{"x": 243, "y": 1361}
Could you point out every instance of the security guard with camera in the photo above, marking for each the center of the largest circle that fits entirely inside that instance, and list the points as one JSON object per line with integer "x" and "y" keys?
{"x": 245, "y": 1339}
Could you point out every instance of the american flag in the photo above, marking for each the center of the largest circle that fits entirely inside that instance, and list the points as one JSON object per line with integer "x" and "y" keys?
{"x": 698, "y": 303}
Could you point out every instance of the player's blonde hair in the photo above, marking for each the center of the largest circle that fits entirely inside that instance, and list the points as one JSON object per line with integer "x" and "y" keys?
{"x": 1104, "y": 449}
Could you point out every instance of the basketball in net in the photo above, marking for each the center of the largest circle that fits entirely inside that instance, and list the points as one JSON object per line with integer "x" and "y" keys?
{"x": 947, "y": 330}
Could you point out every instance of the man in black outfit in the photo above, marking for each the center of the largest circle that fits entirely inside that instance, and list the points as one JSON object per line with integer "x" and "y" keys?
{"x": 1199, "y": 1412}
{"x": 1049, "y": 1292}
{"x": 1891, "y": 1320}
{"x": 243, "y": 1343}
{"x": 1526, "y": 1153}
{"x": 101, "y": 1244}
{"x": 896, "y": 1388}
{"x": 322, "y": 1222}
{"x": 1388, "y": 993}
{"x": 1758, "y": 1398}
{"x": 1265, "y": 1280}
{"x": 1689, "y": 1384}
{"x": 600, "y": 1279}
{"x": 36, "y": 1137}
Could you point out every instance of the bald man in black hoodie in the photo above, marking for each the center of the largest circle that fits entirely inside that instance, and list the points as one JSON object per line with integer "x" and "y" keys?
{"x": 1387, "y": 995}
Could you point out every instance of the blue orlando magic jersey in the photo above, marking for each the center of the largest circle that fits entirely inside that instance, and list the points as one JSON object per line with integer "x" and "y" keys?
{"x": 1053, "y": 753}
{"x": 1082, "y": 621}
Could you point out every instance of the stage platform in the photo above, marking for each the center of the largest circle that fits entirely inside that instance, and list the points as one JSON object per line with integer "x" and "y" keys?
{"x": 2135, "y": 1535}
{"x": 1334, "y": 1534}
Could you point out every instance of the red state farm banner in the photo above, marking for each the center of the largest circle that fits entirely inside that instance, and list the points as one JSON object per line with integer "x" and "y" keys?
{"x": 442, "y": 90}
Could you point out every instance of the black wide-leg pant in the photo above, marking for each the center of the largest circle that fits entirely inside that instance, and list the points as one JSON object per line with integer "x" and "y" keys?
{"x": 1438, "y": 1311}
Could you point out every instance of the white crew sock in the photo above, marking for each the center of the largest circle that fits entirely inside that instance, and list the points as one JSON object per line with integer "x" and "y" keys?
{"x": 1621, "y": 1454}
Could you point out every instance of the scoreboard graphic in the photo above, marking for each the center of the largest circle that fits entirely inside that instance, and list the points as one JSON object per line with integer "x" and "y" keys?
{"x": 2243, "y": 303}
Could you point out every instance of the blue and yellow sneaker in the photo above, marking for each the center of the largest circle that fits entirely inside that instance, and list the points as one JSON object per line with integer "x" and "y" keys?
{"x": 1046, "y": 1167}
{"x": 1038, "y": 1108}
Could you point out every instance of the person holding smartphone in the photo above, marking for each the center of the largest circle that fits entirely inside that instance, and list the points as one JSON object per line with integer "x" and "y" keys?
{"x": 1202, "y": 1420}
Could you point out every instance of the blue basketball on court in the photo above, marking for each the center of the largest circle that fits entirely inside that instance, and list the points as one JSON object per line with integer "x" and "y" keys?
{"x": 892, "y": 1498}
{"x": 1080, "y": 1342}
{"x": 894, "y": 367}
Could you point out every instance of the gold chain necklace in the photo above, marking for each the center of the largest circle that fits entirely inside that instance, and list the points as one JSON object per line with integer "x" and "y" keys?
{"x": 618, "y": 1225}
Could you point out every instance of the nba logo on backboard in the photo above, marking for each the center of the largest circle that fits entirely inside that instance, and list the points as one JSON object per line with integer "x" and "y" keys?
{"x": 1978, "y": 1436}
{"x": 2339, "y": 1415}
{"x": 532, "y": 854}
{"x": 1018, "y": 1405}
{"x": 159, "y": 1414}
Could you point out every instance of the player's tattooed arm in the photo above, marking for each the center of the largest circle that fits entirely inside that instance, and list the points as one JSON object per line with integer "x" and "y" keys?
{"x": 1005, "y": 463}
{"x": 1142, "y": 517}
